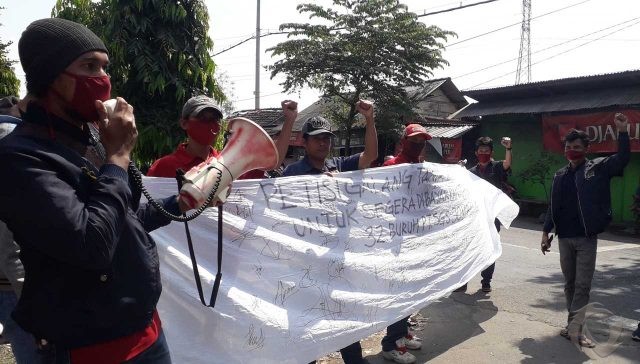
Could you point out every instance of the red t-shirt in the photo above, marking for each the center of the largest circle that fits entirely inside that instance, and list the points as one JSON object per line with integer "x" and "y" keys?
{"x": 121, "y": 349}
{"x": 167, "y": 165}
{"x": 399, "y": 159}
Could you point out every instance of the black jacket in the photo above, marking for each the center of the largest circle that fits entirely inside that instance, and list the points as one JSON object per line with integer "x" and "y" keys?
{"x": 592, "y": 181}
{"x": 91, "y": 268}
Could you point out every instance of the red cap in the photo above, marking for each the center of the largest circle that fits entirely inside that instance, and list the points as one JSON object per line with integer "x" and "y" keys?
{"x": 416, "y": 129}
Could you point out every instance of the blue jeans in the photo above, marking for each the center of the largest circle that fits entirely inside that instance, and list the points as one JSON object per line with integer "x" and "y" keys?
{"x": 23, "y": 344}
{"x": 395, "y": 332}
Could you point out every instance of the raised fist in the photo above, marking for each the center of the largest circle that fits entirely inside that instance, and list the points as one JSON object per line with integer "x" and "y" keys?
{"x": 506, "y": 142}
{"x": 621, "y": 121}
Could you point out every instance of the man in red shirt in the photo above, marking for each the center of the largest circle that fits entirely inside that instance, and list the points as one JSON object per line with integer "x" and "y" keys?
{"x": 201, "y": 121}
{"x": 398, "y": 338}
{"x": 413, "y": 142}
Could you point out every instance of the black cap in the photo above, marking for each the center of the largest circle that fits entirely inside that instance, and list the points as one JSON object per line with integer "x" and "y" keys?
{"x": 197, "y": 104}
{"x": 316, "y": 125}
{"x": 48, "y": 46}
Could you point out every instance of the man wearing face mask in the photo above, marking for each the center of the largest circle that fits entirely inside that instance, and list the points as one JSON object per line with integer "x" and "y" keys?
{"x": 317, "y": 145}
{"x": 494, "y": 172}
{"x": 92, "y": 279}
{"x": 201, "y": 121}
{"x": 398, "y": 339}
{"x": 579, "y": 210}
{"x": 413, "y": 141}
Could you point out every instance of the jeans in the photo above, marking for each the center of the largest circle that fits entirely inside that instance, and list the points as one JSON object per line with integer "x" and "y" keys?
{"x": 22, "y": 343}
{"x": 578, "y": 263}
{"x": 352, "y": 354}
{"x": 395, "y": 332}
{"x": 157, "y": 353}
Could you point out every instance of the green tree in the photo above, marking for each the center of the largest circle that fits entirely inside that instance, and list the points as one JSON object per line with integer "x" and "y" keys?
{"x": 9, "y": 83}
{"x": 362, "y": 48}
{"x": 159, "y": 54}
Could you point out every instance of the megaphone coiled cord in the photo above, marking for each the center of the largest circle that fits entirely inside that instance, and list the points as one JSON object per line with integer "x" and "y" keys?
{"x": 137, "y": 177}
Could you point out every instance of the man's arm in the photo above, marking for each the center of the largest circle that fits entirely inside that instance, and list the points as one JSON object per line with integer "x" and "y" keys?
{"x": 370, "y": 152}
{"x": 46, "y": 213}
{"x": 614, "y": 165}
{"x": 290, "y": 109}
{"x": 508, "y": 155}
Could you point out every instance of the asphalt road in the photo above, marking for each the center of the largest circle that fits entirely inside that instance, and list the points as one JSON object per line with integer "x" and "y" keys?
{"x": 520, "y": 320}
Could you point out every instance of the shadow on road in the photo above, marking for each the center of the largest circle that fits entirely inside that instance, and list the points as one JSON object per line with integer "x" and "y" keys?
{"x": 613, "y": 288}
{"x": 471, "y": 310}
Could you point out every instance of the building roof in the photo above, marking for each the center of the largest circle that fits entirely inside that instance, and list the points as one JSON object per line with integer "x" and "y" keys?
{"x": 445, "y": 128}
{"x": 587, "y": 92}
{"x": 323, "y": 105}
{"x": 446, "y": 85}
{"x": 270, "y": 119}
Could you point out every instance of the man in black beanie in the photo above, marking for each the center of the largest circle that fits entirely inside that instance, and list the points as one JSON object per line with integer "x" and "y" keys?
{"x": 91, "y": 269}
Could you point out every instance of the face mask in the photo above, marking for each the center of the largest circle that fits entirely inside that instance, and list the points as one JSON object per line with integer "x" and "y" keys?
{"x": 412, "y": 150}
{"x": 202, "y": 133}
{"x": 484, "y": 158}
{"x": 574, "y": 155}
{"x": 88, "y": 90}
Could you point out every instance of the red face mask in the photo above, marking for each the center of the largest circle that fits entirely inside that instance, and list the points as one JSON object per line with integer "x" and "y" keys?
{"x": 484, "y": 158}
{"x": 202, "y": 132}
{"x": 574, "y": 155}
{"x": 88, "y": 90}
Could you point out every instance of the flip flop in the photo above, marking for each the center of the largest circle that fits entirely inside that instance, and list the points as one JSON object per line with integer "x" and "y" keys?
{"x": 585, "y": 342}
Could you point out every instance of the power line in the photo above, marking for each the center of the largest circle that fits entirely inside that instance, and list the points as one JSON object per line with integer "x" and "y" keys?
{"x": 456, "y": 8}
{"x": 558, "y": 54}
{"x": 274, "y": 33}
{"x": 246, "y": 40}
{"x": 547, "y": 48}
{"x": 261, "y": 96}
{"x": 517, "y": 23}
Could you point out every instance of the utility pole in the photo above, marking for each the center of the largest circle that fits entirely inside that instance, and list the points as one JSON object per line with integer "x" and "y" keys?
{"x": 257, "y": 90}
{"x": 524, "y": 56}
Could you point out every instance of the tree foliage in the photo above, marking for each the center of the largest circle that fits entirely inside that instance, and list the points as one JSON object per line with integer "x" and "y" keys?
{"x": 359, "y": 48}
{"x": 9, "y": 83}
{"x": 159, "y": 54}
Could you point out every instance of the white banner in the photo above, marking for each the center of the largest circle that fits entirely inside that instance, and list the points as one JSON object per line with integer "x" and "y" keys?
{"x": 312, "y": 264}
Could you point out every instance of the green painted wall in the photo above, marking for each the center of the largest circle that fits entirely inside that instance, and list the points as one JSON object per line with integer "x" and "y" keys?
{"x": 526, "y": 132}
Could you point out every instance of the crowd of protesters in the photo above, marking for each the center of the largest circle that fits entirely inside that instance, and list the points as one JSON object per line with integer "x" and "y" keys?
{"x": 80, "y": 276}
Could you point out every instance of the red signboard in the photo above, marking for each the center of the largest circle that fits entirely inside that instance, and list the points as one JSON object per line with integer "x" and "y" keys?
{"x": 599, "y": 127}
{"x": 451, "y": 149}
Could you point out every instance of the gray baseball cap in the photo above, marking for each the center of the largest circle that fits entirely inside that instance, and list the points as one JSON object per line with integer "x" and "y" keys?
{"x": 316, "y": 125}
{"x": 196, "y": 104}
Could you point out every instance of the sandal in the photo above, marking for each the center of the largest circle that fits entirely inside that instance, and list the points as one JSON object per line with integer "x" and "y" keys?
{"x": 565, "y": 333}
{"x": 585, "y": 342}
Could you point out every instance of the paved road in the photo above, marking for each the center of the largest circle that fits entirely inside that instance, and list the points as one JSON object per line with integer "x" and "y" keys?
{"x": 519, "y": 321}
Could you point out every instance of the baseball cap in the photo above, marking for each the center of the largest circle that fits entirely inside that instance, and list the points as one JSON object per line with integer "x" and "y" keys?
{"x": 415, "y": 129}
{"x": 198, "y": 103}
{"x": 316, "y": 125}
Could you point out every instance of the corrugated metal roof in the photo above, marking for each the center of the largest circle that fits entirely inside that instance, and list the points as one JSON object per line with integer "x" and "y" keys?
{"x": 592, "y": 99}
{"x": 270, "y": 119}
{"x": 557, "y": 86}
{"x": 448, "y": 131}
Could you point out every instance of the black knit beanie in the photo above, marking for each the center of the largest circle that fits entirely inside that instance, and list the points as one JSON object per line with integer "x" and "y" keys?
{"x": 48, "y": 46}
